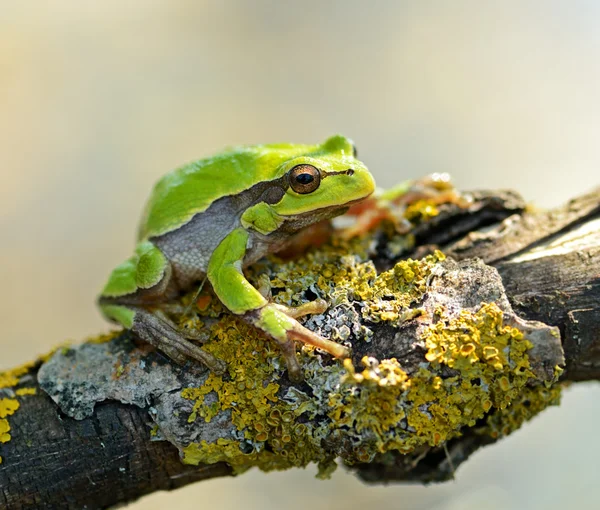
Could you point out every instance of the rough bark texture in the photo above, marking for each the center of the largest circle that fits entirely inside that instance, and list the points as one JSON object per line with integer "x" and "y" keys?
{"x": 58, "y": 462}
{"x": 550, "y": 266}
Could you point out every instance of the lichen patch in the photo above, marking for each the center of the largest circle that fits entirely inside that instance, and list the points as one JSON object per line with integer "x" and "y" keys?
{"x": 475, "y": 364}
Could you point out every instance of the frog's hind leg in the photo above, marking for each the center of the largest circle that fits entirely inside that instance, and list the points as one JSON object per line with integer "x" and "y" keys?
{"x": 164, "y": 335}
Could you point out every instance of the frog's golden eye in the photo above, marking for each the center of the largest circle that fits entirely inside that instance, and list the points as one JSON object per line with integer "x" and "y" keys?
{"x": 304, "y": 179}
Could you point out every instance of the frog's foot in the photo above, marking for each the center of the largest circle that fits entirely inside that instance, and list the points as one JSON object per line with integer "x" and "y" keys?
{"x": 164, "y": 336}
{"x": 187, "y": 333}
{"x": 279, "y": 322}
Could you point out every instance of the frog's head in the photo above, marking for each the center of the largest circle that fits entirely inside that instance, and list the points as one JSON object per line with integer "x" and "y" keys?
{"x": 321, "y": 182}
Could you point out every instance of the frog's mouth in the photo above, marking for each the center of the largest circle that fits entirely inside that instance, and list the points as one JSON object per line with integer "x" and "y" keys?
{"x": 327, "y": 211}
{"x": 295, "y": 222}
{"x": 340, "y": 209}
{"x": 347, "y": 205}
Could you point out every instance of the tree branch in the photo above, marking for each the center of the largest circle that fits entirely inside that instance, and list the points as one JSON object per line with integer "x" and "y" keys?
{"x": 550, "y": 267}
{"x": 96, "y": 442}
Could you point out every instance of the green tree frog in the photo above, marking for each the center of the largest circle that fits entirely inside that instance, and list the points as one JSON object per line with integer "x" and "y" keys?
{"x": 211, "y": 218}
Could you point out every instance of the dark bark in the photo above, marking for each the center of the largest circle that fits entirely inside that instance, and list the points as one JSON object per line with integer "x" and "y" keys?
{"x": 58, "y": 462}
{"x": 106, "y": 459}
{"x": 550, "y": 267}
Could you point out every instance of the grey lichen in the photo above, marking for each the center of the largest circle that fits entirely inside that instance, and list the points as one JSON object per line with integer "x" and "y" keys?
{"x": 78, "y": 378}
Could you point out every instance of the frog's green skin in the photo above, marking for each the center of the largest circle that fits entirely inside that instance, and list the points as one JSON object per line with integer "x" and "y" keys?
{"x": 215, "y": 216}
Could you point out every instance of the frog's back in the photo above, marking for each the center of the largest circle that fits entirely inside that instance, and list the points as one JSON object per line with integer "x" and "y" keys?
{"x": 190, "y": 189}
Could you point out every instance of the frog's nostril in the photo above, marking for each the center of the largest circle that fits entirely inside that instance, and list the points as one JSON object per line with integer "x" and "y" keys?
{"x": 349, "y": 171}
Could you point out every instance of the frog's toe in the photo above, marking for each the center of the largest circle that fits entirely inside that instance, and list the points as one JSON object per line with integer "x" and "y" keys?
{"x": 311, "y": 308}
{"x": 186, "y": 350}
{"x": 288, "y": 350}
{"x": 301, "y": 334}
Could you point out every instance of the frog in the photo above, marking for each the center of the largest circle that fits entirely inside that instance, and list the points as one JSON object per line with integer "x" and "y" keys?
{"x": 208, "y": 220}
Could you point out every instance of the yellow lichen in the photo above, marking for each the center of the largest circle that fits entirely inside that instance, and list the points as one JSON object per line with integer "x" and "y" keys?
{"x": 331, "y": 269}
{"x": 4, "y": 429}
{"x": 475, "y": 367}
{"x": 227, "y": 450}
{"x": 421, "y": 210}
{"x": 345, "y": 278}
{"x": 8, "y": 406}
{"x": 246, "y": 355}
{"x": 119, "y": 370}
{"x": 103, "y": 338}
{"x": 154, "y": 431}
{"x": 11, "y": 377}
{"x": 529, "y": 402}
{"x": 391, "y": 293}
{"x": 25, "y": 391}
{"x": 256, "y": 410}
{"x": 375, "y": 404}
{"x": 404, "y": 411}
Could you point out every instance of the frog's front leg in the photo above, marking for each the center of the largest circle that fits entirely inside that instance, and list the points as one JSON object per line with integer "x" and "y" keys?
{"x": 277, "y": 321}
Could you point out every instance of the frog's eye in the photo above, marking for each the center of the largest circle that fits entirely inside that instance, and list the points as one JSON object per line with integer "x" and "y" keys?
{"x": 354, "y": 151}
{"x": 304, "y": 179}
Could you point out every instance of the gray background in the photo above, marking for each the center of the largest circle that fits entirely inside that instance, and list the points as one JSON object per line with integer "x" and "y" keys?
{"x": 98, "y": 99}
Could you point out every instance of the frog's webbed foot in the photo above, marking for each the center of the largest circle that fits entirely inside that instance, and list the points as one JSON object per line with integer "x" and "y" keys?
{"x": 279, "y": 322}
{"x": 164, "y": 335}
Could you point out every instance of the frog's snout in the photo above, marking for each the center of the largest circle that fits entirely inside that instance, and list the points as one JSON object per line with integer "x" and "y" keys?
{"x": 367, "y": 182}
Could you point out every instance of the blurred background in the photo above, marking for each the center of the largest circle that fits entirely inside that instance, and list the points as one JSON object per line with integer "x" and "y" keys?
{"x": 98, "y": 99}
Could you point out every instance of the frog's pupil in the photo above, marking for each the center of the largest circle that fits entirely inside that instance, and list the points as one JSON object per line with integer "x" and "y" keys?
{"x": 305, "y": 178}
